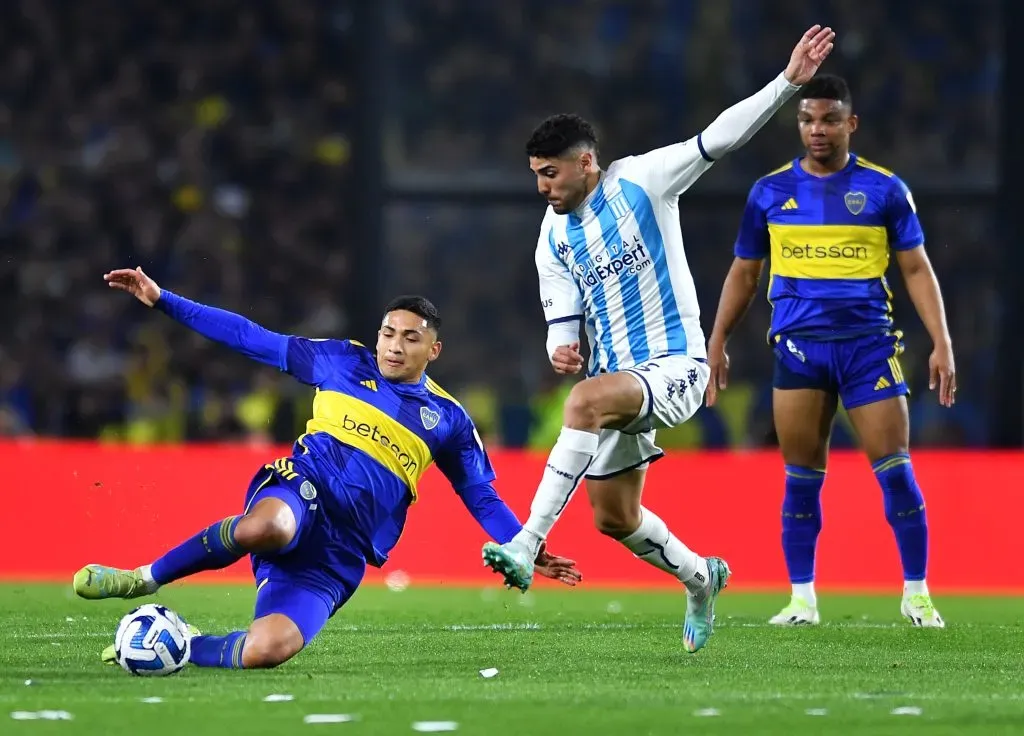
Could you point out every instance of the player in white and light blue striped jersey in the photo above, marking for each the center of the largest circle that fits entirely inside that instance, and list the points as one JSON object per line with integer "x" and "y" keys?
{"x": 610, "y": 256}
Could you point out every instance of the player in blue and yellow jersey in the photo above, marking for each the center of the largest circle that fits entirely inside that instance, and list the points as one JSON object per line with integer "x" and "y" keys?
{"x": 828, "y": 223}
{"x": 313, "y": 521}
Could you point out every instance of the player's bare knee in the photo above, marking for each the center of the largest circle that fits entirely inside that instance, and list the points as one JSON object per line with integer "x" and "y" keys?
{"x": 616, "y": 523}
{"x": 582, "y": 407}
{"x": 265, "y": 650}
{"x": 262, "y": 532}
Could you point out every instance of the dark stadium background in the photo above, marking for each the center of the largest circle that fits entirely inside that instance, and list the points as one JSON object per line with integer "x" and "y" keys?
{"x": 302, "y": 161}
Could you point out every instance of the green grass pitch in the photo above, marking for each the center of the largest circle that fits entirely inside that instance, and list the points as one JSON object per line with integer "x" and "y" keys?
{"x": 586, "y": 662}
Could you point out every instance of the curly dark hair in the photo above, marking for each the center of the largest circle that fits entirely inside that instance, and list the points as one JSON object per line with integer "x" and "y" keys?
{"x": 827, "y": 87}
{"x": 559, "y": 133}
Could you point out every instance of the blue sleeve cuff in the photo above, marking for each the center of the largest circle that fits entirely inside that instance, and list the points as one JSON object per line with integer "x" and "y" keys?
{"x": 700, "y": 147}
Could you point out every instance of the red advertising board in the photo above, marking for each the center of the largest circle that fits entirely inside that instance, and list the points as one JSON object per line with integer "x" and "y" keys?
{"x": 75, "y": 503}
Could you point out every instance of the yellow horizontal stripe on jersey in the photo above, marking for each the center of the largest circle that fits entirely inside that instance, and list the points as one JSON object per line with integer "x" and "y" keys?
{"x": 365, "y": 427}
{"x": 829, "y": 251}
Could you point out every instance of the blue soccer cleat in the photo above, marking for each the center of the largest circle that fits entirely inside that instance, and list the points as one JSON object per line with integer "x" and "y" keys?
{"x": 700, "y": 609}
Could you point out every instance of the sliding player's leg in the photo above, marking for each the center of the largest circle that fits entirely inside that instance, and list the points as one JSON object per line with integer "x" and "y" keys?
{"x": 272, "y": 515}
{"x": 874, "y": 393}
{"x": 618, "y": 513}
{"x": 295, "y": 597}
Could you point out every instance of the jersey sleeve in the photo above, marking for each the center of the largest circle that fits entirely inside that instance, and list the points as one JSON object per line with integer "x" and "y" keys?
{"x": 668, "y": 171}
{"x": 311, "y": 360}
{"x": 463, "y": 459}
{"x": 901, "y": 221}
{"x": 752, "y": 240}
{"x": 559, "y": 295}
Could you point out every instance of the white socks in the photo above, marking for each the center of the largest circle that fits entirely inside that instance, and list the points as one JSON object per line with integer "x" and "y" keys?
{"x": 653, "y": 543}
{"x": 914, "y": 587}
{"x": 568, "y": 461}
{"x": 147, "y": 576}
{"x": 806, "y": 591}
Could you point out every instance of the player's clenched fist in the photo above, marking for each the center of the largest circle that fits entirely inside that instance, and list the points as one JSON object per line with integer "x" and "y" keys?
{"x": 136, "y": 283}
{"x": 567, "y": 359}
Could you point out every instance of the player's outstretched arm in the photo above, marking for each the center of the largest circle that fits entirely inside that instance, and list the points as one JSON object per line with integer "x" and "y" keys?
{"x": 673, "y": 169}
{"x": 497, "y": 519}
{"x": 227, "y": 328}
{"x": 738, "y": 124}
{"x": 924, "y": 291}
{"x": 738, "y": 292}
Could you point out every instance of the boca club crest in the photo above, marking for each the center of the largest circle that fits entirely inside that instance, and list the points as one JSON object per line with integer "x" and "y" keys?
{"x": 429, "y": 417}
{"x": 855, "y": 202}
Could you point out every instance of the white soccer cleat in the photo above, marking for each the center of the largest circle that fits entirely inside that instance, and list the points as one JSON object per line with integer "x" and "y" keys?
{"x": 798, "y": 613}
{"x": 921, "y": 611}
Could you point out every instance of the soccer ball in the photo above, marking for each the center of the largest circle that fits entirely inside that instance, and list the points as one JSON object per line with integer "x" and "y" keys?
{"x": 152, "y": 640}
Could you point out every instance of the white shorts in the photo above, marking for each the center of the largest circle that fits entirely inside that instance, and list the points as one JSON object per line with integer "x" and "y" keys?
{"x": 673, "y": 389}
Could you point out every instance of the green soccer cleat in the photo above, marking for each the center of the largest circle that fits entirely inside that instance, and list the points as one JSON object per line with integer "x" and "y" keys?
{"x": 96, "y": 582}
{"x": 109, "y": 654}
{"x": 700, "y": 612}
{"x": 920, "y": 610}
{"x": 512, "y": 562}
{"x": 797, "y": 613}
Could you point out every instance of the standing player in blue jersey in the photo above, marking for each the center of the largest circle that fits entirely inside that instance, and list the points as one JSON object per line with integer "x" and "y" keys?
{"x": 828, "y": 222}
{"x": 313, "y": 521}
{"x": 610, "y": 256}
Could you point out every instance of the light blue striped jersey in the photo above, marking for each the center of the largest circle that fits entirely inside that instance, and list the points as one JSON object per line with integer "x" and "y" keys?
{"x": 617, "y": 261}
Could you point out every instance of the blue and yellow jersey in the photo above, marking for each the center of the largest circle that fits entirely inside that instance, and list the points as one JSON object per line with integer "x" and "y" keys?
{"x": 371, "y": 440}
{"x": 829, "y": 240}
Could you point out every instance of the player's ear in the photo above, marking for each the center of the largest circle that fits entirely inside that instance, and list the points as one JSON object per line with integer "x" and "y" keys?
{"x": 586, "y": 161}
{"x": 853, "y": 122}
{"x": 435, "y": 350}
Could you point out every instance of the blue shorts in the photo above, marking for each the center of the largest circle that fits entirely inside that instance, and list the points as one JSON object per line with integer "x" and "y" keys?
{"x": 317, "y": 573}
{"x": 860, "y": 370}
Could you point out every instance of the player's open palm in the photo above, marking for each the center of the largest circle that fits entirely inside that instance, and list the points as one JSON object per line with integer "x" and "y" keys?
{"x": 813, "y": 48}
{"x": 136, "y": 283}
{"x": 557, "y": 568}
{"x": 718, "y": 362}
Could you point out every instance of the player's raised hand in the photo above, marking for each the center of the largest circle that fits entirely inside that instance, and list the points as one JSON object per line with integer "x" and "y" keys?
{"x": 136, "y": 283}
{"x": 567, "y": 360}
{"x": 942, "y": 374}
{"x": 557, "y": 568}
{"x": 718, "y": 361}
{"x": 810, "y": 52}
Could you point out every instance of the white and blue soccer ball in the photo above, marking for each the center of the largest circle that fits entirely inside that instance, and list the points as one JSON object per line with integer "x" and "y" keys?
{"x": 152, "y": 641}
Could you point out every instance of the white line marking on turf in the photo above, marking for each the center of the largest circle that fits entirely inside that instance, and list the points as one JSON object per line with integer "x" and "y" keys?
{"x": 434, "y": 726}
{"x": 328, "y": 718}
{"x": 707, "y": 712}
{"x": 816, "y": 712}
{"x": 489, "y": 672}
{"x": 907, "y": 710}
{"x": 278, "y": 698}
{"x": 41, "y": 715}
{"x": 152, "y": 700}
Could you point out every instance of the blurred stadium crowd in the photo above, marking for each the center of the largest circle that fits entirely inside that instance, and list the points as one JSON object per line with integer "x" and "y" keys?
{"x": 211, "y": 143}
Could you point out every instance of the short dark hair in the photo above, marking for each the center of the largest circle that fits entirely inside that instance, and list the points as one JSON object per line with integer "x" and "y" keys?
{"x": 827, "y": 87}
{"x": 558, "y": 133}
{"x": 418, "y": 305}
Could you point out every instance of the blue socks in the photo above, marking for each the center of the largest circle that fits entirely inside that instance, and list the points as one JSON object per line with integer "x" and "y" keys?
{"x": 904, "y": 510}
{"x": 801, "y": 521}
{"x": 210, "y": 549}
{"x": 218, "y": 651}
